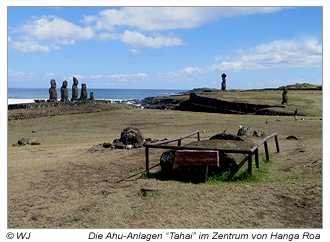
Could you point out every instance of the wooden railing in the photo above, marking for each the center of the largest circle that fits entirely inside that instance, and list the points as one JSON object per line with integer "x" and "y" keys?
{"x": 160, "y": 145}
{"x": 250, "y": 152}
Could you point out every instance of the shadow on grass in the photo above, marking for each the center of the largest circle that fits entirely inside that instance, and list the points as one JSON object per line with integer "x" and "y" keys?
{"x": 198, "y": 174}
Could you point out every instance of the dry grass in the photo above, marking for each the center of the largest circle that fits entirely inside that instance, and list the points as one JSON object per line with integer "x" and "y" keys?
{"x": 69, "y": 182}
{"x": 308, "y": 102}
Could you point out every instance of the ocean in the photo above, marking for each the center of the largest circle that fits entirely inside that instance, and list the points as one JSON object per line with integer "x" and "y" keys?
{"x": 28, "y": 95}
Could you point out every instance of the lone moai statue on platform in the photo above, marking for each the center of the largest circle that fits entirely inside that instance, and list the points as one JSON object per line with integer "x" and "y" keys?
{"x": 83, "y": 95}
{"x": 64, "y": 92}
{"x": 52, "y": 91}
{"x": 284, "y": 96}
{"x": 223, "y": 84}
{"x": 75, "y": 89}
{"x": 92, "y": 96}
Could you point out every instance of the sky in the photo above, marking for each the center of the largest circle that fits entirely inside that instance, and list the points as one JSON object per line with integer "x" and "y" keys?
{"x": 164, "y": 47}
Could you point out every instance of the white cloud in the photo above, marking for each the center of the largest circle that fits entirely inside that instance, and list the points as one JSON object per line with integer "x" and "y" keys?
{"x": 192, "y": 70}
{"x": 56, "y": 30}
{"x": 47, "y": 33}
{"x": 139, "y": 41}
{"x": 127, "y": 77}
{"x": 19, "y": 73}
{"x": 166, "y": 18}
{"x": 221, "y": 57}
{"x": 26, "y": 46}
{"x": 135, "y": 52}
{"x": 280, "y": 53}
{"x": 96, "y": 76}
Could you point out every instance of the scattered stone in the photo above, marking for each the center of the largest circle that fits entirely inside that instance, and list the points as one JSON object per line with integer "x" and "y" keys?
{"x": 225, "y": 136}
{"x": 34, "y": 131}
{"x": 258, "y": 133}
{"x": 23, "y": 141}
{"x": 35, "y": 143}
{"x": 291, "y": 137}
{"x": 137, "y": 145}
{"x": 129, "y": 147}
{"x": 277, "y": 120}
{"x": 267, "y": 122}
{"x": 106, "y": 145}
{"x": 118, "y": 144}
{"x": 148, "y": 191}
{"x": 244, "y": 131}
{"x": 39, "y": 101}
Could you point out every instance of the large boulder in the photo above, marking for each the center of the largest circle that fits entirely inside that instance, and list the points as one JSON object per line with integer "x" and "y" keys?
{"x": 167, "y": 160}
{"x": 132, "y": 136}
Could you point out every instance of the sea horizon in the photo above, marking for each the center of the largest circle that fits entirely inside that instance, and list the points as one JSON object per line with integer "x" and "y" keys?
{"x": 28, "y": 95}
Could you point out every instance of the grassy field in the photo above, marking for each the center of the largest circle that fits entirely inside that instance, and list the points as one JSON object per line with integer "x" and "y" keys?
{"x": 70, "y": 182}
{"x": 308, "y": 102}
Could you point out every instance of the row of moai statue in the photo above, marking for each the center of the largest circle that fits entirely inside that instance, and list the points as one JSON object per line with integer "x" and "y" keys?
{"x": 64, "y": 91}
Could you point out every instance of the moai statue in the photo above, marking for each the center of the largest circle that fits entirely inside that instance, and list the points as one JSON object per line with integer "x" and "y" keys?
{"x": 75, "y": 89}
{"x": 64, "y": 92}
{"x": 284, "y": 96}
{"x": 223, "y": 84}
{"x": 52, "y": 91}
{"x": 92, "y": 96}
{"x": 83, "y": 95}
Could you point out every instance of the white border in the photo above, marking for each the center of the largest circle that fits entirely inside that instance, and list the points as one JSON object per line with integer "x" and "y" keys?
{"x": 82, "y": 234}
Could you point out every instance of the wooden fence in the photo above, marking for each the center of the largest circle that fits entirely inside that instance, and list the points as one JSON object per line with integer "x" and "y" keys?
{"x": 253, "y": 151}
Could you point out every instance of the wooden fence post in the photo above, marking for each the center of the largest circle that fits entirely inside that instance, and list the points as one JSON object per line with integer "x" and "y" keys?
{"x": 250, "y": 165}
{"x": 266, "y": 150}
{"x": 277, "y": 146}
{"x": 198, "y": 137}
{"x": 257, "y": 158}
{"x": 179, "y": 142}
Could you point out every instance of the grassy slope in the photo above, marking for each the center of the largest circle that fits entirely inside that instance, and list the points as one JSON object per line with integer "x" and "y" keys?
{"x": 65, "y": 183}
{"x": 308, "y": 102}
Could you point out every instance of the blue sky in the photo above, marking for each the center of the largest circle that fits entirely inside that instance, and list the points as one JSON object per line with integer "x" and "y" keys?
{"x": 165, "y": 48}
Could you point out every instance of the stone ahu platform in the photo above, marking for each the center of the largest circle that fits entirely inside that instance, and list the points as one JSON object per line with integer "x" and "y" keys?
{"x": 44, "y": 103}
{"x": 45, "y": 109}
